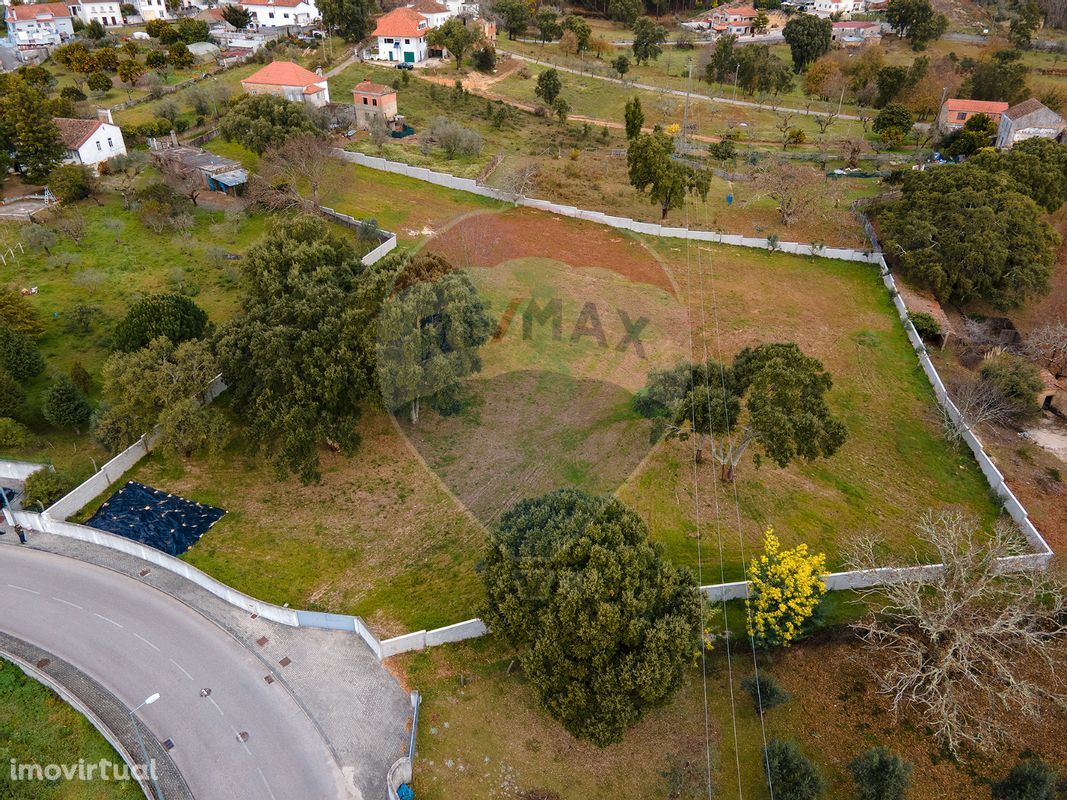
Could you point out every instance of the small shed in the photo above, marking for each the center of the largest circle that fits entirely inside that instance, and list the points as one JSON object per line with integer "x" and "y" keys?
{"x": 373, "y": 100}
{"x": 232, "y": 182}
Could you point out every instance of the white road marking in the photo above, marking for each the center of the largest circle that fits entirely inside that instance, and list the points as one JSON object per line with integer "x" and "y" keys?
{"x": 179, "y": 666}
{"x": 139, "y": 636}
{"x": 264, "y": 779}
{"x": 68, "y": 603}
{"x": 105, "y": 619}
{"x": 23, "y": 589}
{"x": 212, "y": 699}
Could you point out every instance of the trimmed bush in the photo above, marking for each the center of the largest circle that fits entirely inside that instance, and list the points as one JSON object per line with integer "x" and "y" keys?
{"x": 43, "y": 488}
{"x": 172, "y": 315}
{"x": 791, "y": 773}
{"x": 765, "y": 691}
{"x": 1031, "y": 779}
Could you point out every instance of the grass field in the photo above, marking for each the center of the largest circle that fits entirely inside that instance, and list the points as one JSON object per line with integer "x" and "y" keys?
{"x": 36, "y": 727}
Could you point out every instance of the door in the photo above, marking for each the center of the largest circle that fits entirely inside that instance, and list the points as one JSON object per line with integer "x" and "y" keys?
{"x": 409, "y": 57}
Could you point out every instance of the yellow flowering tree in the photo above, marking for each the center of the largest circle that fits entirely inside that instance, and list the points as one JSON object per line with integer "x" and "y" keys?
{"x": 786, "y": 588}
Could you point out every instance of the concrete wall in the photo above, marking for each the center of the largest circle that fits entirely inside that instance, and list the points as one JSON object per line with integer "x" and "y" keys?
{"x": 19, "y": 470}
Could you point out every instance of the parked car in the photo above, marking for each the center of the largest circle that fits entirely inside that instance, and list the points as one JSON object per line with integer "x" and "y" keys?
{"x": 403, "y": 65}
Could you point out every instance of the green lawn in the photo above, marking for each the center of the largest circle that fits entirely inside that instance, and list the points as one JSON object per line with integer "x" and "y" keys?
{"x": 36, "y": 727}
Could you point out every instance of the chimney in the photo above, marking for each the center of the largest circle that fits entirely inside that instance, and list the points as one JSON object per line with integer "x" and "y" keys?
{"x": 104, "y": 115}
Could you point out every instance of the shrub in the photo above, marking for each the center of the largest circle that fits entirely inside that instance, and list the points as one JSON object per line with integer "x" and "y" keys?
{"x": 17, "y": 314}
{"x": 14, "y": 434}
{"x": 1017, "y": 379}
{"x": 791, "y": 773}
{"x": 765, "y": 691}
{"x": 171, "y": 315}
{"x": 11, "y": 394}
{"x": 1031, "y": 779}
{"x": 72, "y": 182}
{"x": 65, "y": 406}
{"x": 925, "y": 325}
{"x": 484, "y": 59}
{"x": 786, "y": 589}
{"x": 454, "y": 139}
{"x": 72, "y": 93}
{"x": 44, "y": 487}
{"x": 81, "y": 378}
{"x": 880, "y": 775}
{"x": 18, "y": 355}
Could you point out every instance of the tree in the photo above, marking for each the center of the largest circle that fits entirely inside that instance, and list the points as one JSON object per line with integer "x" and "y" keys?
{"x": 893, "y": 117}
{"x": 12, "y": 433}
{"x": 1027, "y": 20}
{"x": 1046, "y": 344}
{"x": 880, "y": 775}
{"x": 186, "y": 427}
{"x": 979, "y": 403}
{"x": 796, "y": 188}
{"x": 26, "y": 128}
{"x": 791, "y": 773}
{"x": 621, "y": 65}
{"x": 624, "y": 11}
{"x": 773, "y": 398}
{"x": 178, "y": 55}
{"x": 962, "y": 646}
{"x": 429, "y": 331}
{"x": 548, "y": 86}
{"x": 161, "y": 208}
{"x": 81, "y": 378}
{"x": 760, "y": 23}
{"x": 759, "y": 71}
{"x": 967, "y": 234}
{"x": 174, "y": 316}
{"x": 19, "y": 357}
{"x": 297, "y": 360}
{"x": 350, "y": 18}
{"x": 240, "y": 18}
{"x": 95, "y": 31}
{"x": 976, "y": 133}
{"x": 581, "y": 30}
{"x": 916, "y": 21}
{"x": 652, "y": 170}
{"x": 634, "y": 117}
{"x": 72, "y": 182}
{"x": 722, "y": 62}
{"x": 1017, "y": 381}
{"x": 261, "y": 121}
{"x": 99, "y": 83}
{"x": 301, "y": 162}
{"x": 44, "y": 487}
{"x": 1030, "y": 779}
{"x": 601, "y": 45}
{"x": 11, "y": 394}
{"x": 130, "y": 71}
{"x": 191, "y": 30}
{"x": 456, "y": 37}
{"x": 808, "y": 37}
{"x": 786, "y": 589}
{"x": 16, "y": 313}
{"x": 561, "y": 108}
{"x": 606, "y": 625}
{"x": 648, "y": 36}
{"x": 156, "y": 59}
{"x": 515, "y": 16}
{"x": 548, "y": 27}
{"x": 65, "y": 406}
{"x": 39, "y": 236}
{"x": 125, "y": 170}
{"x": 1000, "y": 77}
{"x": 140, "y": 387}
{"x": 1037, "y": 165}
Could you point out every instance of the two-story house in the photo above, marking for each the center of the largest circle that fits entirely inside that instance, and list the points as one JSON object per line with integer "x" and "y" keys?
{"x": 107, "y": 12}
{"x": 401, "y": 36}
{"x": 39, "y": 24}
{"x": 282, "y": 13}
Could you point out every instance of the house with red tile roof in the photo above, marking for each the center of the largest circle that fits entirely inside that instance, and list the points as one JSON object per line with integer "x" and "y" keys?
{"x": 90, "y": 141}
{"x": 955, "y": 112}
{"x": 39, "y": 24}
{"x": 281, "y": 13}
{"x": 401, "y": 36}
{"x": 289, "y": 80}
{"x": 737, "y": 20}
{"x": 373, "y": 100}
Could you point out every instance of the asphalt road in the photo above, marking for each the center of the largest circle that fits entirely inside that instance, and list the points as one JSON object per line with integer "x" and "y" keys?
{"x": 135, "y": 641}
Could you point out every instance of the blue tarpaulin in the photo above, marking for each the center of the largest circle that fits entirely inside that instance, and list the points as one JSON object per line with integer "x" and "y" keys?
{"x": 160, "y": 520}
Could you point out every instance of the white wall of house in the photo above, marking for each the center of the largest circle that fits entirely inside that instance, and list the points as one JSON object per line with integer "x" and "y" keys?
{"x": 152, "y": 9}
{"x": 108, "y": 14}
{"x": 276, "y": 16}
{"x": 40, "y": 33}
{"x": 105, "y": 142}
{"x": 399, "y": 48}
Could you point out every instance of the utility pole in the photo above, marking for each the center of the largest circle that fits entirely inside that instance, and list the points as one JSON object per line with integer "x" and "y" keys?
{"x": 685, "y": 114}
{"x": 737, "y": 69}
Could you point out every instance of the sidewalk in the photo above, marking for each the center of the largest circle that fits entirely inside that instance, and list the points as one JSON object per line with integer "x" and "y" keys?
{"x": 360, "y": 709}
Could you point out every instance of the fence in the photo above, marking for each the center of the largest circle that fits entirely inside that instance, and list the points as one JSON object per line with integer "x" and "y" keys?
{"x": 387, "y": 238}
{"x": 53, "y": 520}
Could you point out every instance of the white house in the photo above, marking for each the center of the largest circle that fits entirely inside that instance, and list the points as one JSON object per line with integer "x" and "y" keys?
{"x": 90, "y": 141}
{"x": 152, "y": 9}
{"x": 281, "y": 13}
{"x": 108, "y": 14}
{"x": 1027, "y": 120}
{"x": 290, "y": 81}
{"x": 401, "y": 36}
{"x": 39, "y": 25}
{"x": 436, "y": 13}
{"x": 828, "y": 8}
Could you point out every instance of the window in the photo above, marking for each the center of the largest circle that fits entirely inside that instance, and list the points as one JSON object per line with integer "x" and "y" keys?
{"x": 109, "y": 142}
{"x": 387, "y": 41}
{"x": 271, "y": 15}
{"x": 364, "y": 101}
{"x": 962, "y": 115}
{"x": 374, "y": 102}
{"x": 98, "y": 147}
{"x": 407, "y": 41}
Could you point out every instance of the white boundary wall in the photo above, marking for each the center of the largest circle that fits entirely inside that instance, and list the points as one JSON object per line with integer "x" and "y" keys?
{"x": 19, "y": 470}
{"x": 53, "y": 520}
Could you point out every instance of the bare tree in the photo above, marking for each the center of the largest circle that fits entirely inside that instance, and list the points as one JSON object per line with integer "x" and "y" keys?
{"x": 783, "y": 126}
{"x": 851, "y": 149}
{"x": 979, "y": 403}
{"x": 1047, "y": 346}
{"x": 799, "y": 190}
{"x": 957, "y": 645}
{"x": 125, "y": 169}
{"x": 298, "y": 172}
{"x": 824, "y": 121}
{"x": 518, "y": 181}
{"x": 71, "y": 224}
{"x": 185, "y": 178}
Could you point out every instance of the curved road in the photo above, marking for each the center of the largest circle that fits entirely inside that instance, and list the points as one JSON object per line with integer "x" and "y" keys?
{"x": 135, "y": 640}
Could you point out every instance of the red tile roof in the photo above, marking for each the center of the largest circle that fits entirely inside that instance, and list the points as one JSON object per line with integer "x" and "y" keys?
{"x": 75, "y": 132}
{"x": 282, "y": 3}
{"x": 366, "y": 87}
{"x": 283, "y": 73}
{"x": 429, "y": 7}
{"x": 402, "y": 22}
{"x": 976, "y": 106}
{"x": 31, "y": 12}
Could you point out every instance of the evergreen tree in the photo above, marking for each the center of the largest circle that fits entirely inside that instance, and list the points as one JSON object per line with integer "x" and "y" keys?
{"x": 350, "y": 18}
{"x": 635, "y": 117}
{"x": 65, "y": 406}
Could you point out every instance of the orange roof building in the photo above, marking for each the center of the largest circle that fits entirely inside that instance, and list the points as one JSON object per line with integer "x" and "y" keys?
{"x": 956, "y": 111}
{"x": 373, "y": 100}
{"x": 290, "y": 81}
